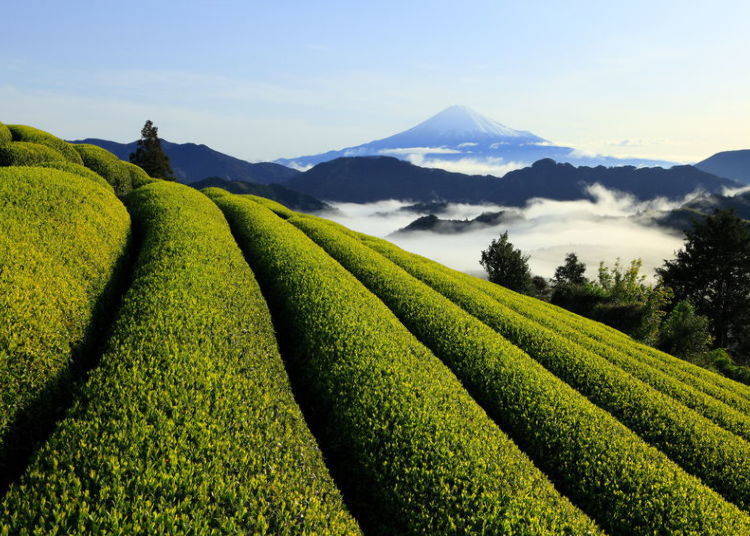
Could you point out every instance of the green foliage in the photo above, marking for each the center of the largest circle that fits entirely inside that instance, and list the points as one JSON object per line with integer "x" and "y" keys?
{"x": 149, "y": 154}
{"x": 414, "y": 452}
{"x": 685, "y": 333}
{"x": 116, "y": 172}
{"x": 34, "y": 135}
{"x": 713, "y": 273}
{"x": 5, "y": 135}
{"x": 720, "y": 360}
{"x": 619, "y": 297}
{"x": 506, "y": 265}
{"x": 571, "y": 272}
{"x": 188, "y": 425}
{"x": 138, "y": 177}
{"x": 22, "y": 153}
{"x": 62, "y": 237}
{"x": 77, "y": 169}
{"x": 626, "y": 485}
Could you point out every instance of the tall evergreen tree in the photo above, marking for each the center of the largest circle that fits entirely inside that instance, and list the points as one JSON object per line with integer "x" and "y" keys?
{"x": 713, "y": 273}
{"x": 507, "y": 266}
{"x": 149, "y": 154}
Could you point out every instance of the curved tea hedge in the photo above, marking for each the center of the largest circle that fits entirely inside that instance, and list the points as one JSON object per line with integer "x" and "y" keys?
{"x": 5, "y": 135}
{"x": 22, "y": 153}
{"x": 61, "y": 237}
{"x": 629, "y": 487}
{"x": 116, "y": 172}
{"x": 188, "y": 425}
{"x": 717, "y": 456}
{"x": 34, "y": 135}
{"x": 415, "y": 454}
{"x": 77, "y": 170}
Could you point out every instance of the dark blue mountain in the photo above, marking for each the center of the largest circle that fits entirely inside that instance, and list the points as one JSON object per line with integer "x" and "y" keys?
{"x": 729, "y": 164}
{"x": 192, "y": 162}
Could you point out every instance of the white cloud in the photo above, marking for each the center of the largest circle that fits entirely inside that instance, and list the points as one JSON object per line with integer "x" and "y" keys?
{"x": 468, "y": 144}
{"x": 472, "y": 166}
{"x": 602, "y": 228}
{"x": 406, "y": 151}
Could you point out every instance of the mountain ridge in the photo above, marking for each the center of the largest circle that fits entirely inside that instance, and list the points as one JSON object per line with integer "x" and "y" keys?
{"x": 193, "y": 162}
{"x": 377, "y": 178}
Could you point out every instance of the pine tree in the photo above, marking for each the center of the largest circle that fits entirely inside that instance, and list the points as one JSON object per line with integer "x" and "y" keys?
{"x": 149, "y": 154}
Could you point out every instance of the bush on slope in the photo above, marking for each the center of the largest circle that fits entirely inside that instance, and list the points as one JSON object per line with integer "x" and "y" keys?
{"x": 5, "y": 135}
{"x": 629, "y": 487}
{"x": 21, "y": 153}
{"x": 188, "y": 425}
{"x": 34, "y": 135}
{"x": 413, "y": 450}
{"x": 77, "y": 170}
{"x": 116, "y": 172}
{"x": 61, "y": 238}
{"x": 717, "y": 456}
{"x": 647, "y": 363}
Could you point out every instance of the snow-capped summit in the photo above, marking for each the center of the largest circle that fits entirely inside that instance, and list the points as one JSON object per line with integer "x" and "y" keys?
{"x": 460, "y": 139}
{"x": 462, "y": 123}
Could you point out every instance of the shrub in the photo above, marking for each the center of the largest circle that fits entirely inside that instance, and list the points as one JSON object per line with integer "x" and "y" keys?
{"x": 5, "y": 135}
{"x": 34, "y": 135}
{"x": 115, "y": 171}
{"x": 685, "y": 333}
{"x": 77, "y": 170}
{"x": 21, "y": 153}
{"x": 626, "y": 485}
{"x": 188, "y": 425}
{"x": 138, "y": 177}
{"x": 413, "y": 451}
{"x": 62, "y": 237}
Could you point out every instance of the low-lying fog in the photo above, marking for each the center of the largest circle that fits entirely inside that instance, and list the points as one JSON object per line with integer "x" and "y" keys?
{"x": 608, "y": 226}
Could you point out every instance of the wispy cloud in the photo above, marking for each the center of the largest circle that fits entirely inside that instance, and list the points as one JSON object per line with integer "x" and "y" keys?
{"x": 604, "y": 227}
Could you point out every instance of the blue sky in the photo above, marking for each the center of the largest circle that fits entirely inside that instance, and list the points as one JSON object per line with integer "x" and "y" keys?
{"x": 262, "y": 80}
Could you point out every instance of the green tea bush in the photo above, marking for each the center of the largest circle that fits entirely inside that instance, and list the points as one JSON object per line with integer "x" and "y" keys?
{"x": 411, "y": 449}
{"x": 61, "y": 238}
{"x": 115, "y": 171}
{"x": 5, "y": 135}
{"x": 138, "y": 177}
{"x": 628, "y": 486}
{"x": 21, "y": 153}
{"x": 77, "y": 169}
{"x": 710, "y": 452}
{"x": 34, "y": 135}
{"x": 188, "y": 426}
{"x": 601, "y": 337}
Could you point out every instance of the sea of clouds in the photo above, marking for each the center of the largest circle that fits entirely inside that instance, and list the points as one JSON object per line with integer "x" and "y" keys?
{"x": 608, "y": 226}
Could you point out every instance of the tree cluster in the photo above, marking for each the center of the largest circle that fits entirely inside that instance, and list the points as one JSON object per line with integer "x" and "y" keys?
{"x": 699, "y": 308}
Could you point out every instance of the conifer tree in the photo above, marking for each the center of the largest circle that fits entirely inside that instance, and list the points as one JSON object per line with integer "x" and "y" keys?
{"x": 149, "y": 154}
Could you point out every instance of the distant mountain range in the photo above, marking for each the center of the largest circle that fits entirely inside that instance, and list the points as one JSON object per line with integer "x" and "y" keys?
{"x": 290, "y": 198}
{"x": 192, "y": 162}
{"x": 729, "y": 164}
{"x": 682, "y": 218}
{"x": 459, "y": 133}
{"x": 368, "y": 179}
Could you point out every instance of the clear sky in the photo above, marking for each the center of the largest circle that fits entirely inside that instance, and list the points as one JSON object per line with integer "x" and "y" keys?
{"x": 262, "y": 80}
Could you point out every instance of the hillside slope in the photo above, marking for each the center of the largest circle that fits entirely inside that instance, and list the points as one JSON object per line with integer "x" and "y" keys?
{"x": 728, "y": 164}
{"x": 257, "y": 370}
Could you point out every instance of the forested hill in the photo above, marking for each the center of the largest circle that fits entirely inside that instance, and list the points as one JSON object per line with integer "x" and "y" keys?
{"x": 367, "y": 179}
{"x": 192, "y": 162}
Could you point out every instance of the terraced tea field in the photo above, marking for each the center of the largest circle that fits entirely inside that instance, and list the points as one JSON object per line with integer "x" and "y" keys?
{"x": 204, "y": 363}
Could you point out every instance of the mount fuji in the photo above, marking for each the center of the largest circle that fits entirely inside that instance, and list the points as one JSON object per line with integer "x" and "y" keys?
{"x": 460, "y": 136}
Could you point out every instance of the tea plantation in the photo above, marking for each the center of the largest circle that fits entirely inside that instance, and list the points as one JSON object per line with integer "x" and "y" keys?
{"x": 175, "y": 362}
